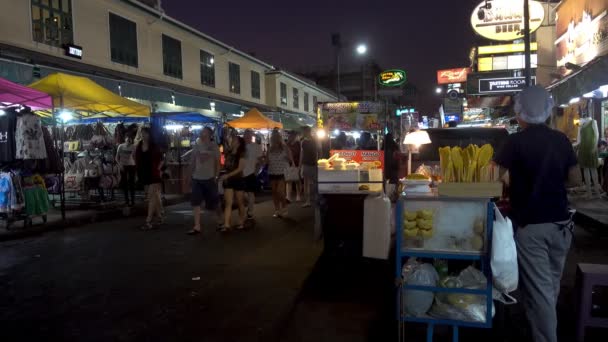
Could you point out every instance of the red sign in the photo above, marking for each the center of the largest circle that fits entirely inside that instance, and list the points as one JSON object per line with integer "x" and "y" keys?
{"x": 452, "y": 75}
{"x": 362, "y": 156}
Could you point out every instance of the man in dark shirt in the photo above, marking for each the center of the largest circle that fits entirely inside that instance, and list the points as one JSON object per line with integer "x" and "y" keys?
{"x": 540, "y": 161}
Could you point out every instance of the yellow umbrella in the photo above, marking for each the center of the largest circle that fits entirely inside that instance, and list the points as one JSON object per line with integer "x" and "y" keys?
{"x": 87, "y": 97}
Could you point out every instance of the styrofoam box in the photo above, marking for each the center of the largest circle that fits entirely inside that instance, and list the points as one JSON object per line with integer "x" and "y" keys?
{"x": 338, "y": 176}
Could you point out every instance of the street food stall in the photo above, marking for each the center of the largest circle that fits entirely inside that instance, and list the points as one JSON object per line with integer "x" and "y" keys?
{"x": 351, "y": 179}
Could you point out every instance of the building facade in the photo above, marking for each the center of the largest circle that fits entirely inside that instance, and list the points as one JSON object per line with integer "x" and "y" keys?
{"x": 137, "y": 51}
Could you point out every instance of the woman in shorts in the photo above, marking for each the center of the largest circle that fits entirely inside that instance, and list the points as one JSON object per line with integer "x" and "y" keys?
{"x": 233, "y": 182}
{"x": 149, "y": 161}
{"x": 279, "y": 159}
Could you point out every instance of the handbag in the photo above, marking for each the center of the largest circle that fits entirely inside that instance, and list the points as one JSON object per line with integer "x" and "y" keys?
{"x": 292, "y": 174}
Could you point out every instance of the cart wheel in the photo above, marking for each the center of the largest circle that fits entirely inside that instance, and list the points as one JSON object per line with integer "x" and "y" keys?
{"x": 44, "y": 218}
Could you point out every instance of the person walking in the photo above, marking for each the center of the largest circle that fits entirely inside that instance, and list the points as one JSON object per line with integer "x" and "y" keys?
{"x": 233, "y": 182}
{"x": 205, "y": 172}
{"x": 125, "y": 158}
{"x": 148, "y": 160}
{"x": 254, "y": 158}
{"x": 279, "y": 159}
{"x": 295, "y": 148}
{"x": 308, "y": 163}
{"x": 540, "y": 162}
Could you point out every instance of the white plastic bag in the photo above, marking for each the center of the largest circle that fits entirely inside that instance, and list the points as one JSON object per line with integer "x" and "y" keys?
{"x": 418, "y": 303}
{"x": 504, "y": 254}
{"x": 377, "y": 227}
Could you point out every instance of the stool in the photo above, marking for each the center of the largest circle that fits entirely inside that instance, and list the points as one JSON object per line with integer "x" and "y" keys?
{"x": 588, "y": 276}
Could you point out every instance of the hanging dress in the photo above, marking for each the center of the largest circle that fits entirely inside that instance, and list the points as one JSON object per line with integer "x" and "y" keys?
{"x": 587, "y": 149}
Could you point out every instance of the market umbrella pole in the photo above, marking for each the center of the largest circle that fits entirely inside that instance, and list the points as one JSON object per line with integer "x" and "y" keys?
{"x": 61, "y": 178}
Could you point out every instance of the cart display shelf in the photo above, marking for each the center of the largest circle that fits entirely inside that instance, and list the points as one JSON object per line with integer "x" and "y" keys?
{"x": 456, "y": 210}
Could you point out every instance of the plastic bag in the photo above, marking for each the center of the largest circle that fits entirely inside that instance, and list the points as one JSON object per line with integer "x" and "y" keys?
{"x": 417, "y": 303}
{"x": 504, "y": 254}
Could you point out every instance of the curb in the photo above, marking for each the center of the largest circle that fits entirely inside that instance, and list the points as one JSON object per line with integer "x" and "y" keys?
{"x": 590, "y": 224}
{"x": 91, "y": 216}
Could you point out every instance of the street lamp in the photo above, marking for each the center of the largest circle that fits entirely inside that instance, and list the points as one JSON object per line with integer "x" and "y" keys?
{"x": 438, "y": 90}
{"x": 361, "y": 49}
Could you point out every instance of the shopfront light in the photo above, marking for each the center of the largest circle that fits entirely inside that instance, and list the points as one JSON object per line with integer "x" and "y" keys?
{"x": 336, "y": 132}
{"x": 196, "y": 127}
{"x": 173, "y": 127}
{"x": 66, "y": 115}
{"x": 575, "y": 100}
{"x": 356, "y": 135}
{"x": 604, "y": 90}
{"x": 438, "y": 90}
{"x": 321, "y": 134}
{"x": 2, "y": 112}
{"x": 264, "y": 131}
{"x": 589, "y": 95}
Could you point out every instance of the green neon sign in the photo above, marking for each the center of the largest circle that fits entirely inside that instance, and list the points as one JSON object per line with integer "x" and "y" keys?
{"x": 392, "y": 78}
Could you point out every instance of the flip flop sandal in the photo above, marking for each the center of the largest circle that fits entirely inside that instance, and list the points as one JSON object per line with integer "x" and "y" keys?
{"x": 194, "y": 232}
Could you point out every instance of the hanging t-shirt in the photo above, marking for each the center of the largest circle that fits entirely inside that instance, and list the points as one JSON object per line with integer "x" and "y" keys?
{"x": 28, "y": 138}
{"x": 8, "y": 125}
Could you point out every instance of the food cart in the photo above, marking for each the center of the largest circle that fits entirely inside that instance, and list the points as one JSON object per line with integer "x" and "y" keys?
{"x": 444, "y": 243}
{"x": 350, "y": 182}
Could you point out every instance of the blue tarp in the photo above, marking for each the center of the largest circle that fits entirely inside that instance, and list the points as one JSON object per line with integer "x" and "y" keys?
{"x": 186, "y": 117}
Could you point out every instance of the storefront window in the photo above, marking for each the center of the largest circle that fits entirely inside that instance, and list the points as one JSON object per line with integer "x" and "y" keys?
{"x": 172, "y": 57}
{"x": 604, "y": 120}
{"x": 255, "y": 84}
{"x": 296, "y": 98}
{"x": 123, "y": 41}
{"x": 306, "y": 104}
{"x": 52, "y": 22}
{"x": 207, "y": 69}
{"x": 234, "y": 78}
{"x": 283, "y": 93}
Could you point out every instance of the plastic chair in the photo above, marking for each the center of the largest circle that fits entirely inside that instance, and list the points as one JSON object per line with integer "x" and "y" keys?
{"x": 588, "y": 276}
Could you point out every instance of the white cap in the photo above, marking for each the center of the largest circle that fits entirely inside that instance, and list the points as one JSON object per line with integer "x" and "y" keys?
{"x": 533, "y": 105}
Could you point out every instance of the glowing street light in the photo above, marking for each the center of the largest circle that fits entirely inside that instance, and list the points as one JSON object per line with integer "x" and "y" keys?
{"x": 361, "y": 49}
{"x": 438, "y": 90}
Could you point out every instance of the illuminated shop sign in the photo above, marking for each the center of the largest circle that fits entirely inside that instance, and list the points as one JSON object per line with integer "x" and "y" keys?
{"x": 503, "y": 85}
{"x": 512, "y": 62}
{"x": 392, "y": 78}
{"x": 504, "y": 19}
{"x": 582, "y": 29}
{"x": 505, "y": 48}
{"x": 73, "y": 51}
{"x": 448, "y": 76}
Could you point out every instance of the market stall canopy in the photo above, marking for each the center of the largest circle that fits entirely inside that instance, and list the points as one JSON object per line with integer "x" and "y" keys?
{"x": 185, "y": 117}
{"x": 255, "y": 120}
{"x": 88, "y": 98}
{"x": 16, "y": 94}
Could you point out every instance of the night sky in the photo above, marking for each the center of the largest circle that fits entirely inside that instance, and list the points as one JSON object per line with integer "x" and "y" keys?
{"x": 418, "y": 36}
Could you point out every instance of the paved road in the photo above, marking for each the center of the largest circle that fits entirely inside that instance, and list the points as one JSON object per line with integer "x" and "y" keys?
{"x": 112, "y": 282}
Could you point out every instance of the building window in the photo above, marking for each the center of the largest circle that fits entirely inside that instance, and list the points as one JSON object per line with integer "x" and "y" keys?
{"x": 234, "y": 78}
{"x": 255, "y": 84}
{"x": 306, "y": 104}
{"x": 207, "y": 69}
{"x": 52, "y": 22}
{"x": 315, "y": 101}
{"x": 123, "y": 41}
{"x": 283, "y": 93}
{"x": 296, "y": 98}
{"x": 172, "y": 57}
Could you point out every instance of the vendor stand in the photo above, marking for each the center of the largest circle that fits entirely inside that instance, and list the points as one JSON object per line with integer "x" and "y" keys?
{"x": 22, "y": 187}
{"x": 350, "y": 183}
{"x": 444, "y": 242}
{"x": 76, "y": 97}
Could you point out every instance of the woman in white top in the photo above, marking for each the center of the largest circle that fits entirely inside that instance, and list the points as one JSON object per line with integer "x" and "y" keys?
{"x": 126, "y": 162}
{"x": 279, "y": 159}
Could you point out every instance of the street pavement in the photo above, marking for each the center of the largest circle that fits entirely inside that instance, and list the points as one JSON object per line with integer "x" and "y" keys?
{"x": 112, "y": 282}
{"x": 109, "y": 281}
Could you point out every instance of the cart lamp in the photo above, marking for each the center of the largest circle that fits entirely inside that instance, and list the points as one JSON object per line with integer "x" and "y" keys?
{"x": 65, "y": 116}
{"x": 196, "y": 127}
{"x": 173, "y": 127}
{"x": 321, "y": 134}
{"x": 438, "y": 90}
{"x": 336, "y": 132}
{"x": 415, "y": 139}
{"x": 575, "y": 100}
{"x": 2, "y": 112}
{"x": 356, "y": 135}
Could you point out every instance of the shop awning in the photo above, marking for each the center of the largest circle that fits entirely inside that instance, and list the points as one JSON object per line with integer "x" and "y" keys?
{"x": 255, "y": 120}
{"x": 16, "y": 94}
{"x": 88, "y": 98}
{"x": 185, "y": 117}
{"x": 589, "y": 79}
